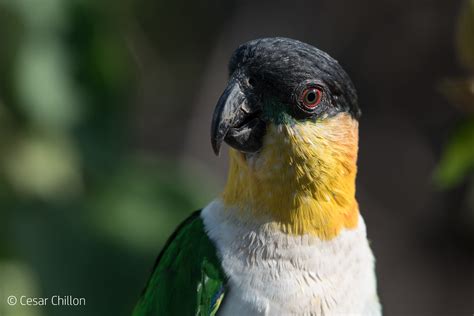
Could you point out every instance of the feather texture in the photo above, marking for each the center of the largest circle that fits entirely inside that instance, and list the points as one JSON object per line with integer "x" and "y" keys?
{"x": 187, "y": 278}
{"x": 303, "y": 179}
{"x": 274, "y": 273}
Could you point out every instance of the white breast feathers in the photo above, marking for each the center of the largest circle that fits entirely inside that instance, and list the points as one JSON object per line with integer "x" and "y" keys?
{"x": 273, "y": 273}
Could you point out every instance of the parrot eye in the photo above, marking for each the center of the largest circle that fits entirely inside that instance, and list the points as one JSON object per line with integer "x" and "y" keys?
{"x": 311, "y": 97}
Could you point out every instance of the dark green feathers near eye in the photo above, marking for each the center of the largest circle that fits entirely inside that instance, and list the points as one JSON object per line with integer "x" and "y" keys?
{"x": 187, "y": 277}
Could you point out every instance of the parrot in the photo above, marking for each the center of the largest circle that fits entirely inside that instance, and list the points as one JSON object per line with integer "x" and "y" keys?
{"x": 285, "y": 236}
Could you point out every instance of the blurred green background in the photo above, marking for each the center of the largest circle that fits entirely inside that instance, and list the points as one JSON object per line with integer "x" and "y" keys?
{"x": 105, "y": 109}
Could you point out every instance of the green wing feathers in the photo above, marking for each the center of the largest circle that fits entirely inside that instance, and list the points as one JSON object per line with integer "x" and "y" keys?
{"x": 187, "y": 278}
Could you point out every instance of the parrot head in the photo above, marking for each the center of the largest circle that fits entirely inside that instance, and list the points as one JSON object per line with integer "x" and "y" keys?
{"x": 290, "y": 115}
{"x": 278, "y": 81}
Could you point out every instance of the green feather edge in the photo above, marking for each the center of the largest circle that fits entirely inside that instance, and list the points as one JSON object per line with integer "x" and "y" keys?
{"x": 187, "y": 278}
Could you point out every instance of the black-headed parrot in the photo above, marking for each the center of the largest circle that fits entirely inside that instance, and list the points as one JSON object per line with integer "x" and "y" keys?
{"x": 285, "y": 236}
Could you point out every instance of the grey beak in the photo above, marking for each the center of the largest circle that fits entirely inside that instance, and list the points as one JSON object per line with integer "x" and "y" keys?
{"x": 236, "y": 121}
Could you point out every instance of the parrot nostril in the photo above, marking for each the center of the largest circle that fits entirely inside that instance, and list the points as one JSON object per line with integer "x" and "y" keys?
{"x": 251, "y": 82}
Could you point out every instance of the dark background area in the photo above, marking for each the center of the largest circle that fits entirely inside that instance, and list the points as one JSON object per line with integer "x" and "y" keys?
{"x": 105, "y": 108}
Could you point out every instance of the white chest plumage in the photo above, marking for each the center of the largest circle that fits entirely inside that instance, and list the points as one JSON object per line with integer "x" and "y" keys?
{"x": 273, "y": 273}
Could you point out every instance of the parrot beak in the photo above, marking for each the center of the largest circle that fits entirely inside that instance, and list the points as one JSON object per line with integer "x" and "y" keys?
{"x": 236, "y": 121}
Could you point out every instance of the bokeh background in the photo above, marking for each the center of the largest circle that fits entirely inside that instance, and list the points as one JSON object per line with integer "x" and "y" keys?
{"x": 105, "y": 109}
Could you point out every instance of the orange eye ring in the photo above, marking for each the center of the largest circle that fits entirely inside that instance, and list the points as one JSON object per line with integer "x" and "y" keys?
{"x": 311, "y": 97}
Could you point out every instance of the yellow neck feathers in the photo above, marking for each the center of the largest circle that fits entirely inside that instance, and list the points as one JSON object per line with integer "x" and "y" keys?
{"x": 303, "y": 180}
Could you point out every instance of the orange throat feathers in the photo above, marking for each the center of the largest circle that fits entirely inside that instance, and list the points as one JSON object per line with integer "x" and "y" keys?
{"x": 303, "y": 179}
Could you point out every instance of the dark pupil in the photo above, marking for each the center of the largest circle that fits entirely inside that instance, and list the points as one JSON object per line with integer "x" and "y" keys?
{"x": 311, "y": 96}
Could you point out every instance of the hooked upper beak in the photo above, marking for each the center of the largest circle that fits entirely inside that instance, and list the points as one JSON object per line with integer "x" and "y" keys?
{"x": 237, "y": 121}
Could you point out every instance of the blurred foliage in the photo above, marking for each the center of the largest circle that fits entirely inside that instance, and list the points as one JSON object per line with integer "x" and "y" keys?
{"x": 18, "y": 279}
{"x": 456, "y": 167}
{"x": 457, "y": 162}
{"x": 82, "y": 213}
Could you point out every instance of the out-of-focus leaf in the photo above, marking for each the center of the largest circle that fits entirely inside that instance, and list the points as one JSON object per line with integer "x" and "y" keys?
{"x": 43, "y": 83}
{"x": 460, "y": 93}
{"x": 48, "y": 96}
{"x": 17, "y": 279}
{"x": 457, "y": 161}
{"x": 44, "y": 167}
{"x": 465, "y": 35}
